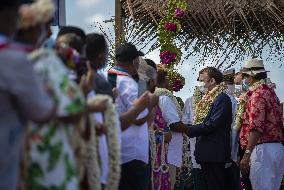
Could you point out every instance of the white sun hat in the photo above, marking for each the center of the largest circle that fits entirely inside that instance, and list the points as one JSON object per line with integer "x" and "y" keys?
{"x": 253, "y": 67}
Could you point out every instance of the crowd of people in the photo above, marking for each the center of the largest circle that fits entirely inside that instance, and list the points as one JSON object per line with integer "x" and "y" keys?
{"x": 64, "y": 125}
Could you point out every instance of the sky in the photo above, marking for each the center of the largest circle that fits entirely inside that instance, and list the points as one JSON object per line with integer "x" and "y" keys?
{"x": 84, "y": 13}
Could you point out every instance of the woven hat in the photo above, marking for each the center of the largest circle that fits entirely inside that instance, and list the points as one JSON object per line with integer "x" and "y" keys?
{"x": 253, "y": 67}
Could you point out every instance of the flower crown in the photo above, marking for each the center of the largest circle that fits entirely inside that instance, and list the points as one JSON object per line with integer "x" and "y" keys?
{"x": 176, "y": 81}
{"x": 39, "y": 12}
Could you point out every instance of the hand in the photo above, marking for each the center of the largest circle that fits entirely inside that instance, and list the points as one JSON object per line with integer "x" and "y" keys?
{"x": 101, "y": 129}
{"x": 87, "y": 80}
{"x": 244, "y": 164}
{"x": 168, "y": 137}
{"x": 115, "y": 93}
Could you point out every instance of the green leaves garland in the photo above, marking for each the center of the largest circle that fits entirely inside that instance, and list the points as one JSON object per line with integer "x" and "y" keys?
{"x": 168, "y": 29}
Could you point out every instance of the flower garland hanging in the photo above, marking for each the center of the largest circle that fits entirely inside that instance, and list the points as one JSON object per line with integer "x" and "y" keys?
{"x": 112, "y": 139}
{"x": 176, "y": 81}
{"x": 169, "y": 27}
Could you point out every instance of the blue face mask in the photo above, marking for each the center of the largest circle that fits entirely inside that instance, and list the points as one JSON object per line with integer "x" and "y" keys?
{"x": 245, "y": 85}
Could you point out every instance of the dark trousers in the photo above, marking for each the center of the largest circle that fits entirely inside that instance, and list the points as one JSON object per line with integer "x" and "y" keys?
{"x": 232, "y": 177}
{"x": 134, "y": 176}
{"x": 212, "y": 177}
{"x": 198, "y": 183}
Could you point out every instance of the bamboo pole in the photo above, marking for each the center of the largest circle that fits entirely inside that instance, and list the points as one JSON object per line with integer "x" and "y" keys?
{"x": 118, "y": 23}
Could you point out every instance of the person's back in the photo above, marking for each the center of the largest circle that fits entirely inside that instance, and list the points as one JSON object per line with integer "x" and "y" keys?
{"x": 21, "y": 99}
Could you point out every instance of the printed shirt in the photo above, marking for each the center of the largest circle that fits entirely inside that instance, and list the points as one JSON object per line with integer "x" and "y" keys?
{"x": 52, "y": 162}
{"x": 263, "y": 113}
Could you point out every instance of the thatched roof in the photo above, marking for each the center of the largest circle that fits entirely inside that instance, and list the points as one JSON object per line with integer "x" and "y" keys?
{"x": 219, "y": 27}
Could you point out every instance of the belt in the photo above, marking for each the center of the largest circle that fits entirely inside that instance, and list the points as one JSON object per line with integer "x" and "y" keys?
{"x": 269, "y": 142}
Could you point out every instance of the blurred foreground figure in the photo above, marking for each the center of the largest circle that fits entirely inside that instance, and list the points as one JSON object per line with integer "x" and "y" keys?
{"x": 21, "y": 97}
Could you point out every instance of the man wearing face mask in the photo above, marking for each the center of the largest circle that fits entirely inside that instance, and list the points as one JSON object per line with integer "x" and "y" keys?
{"x": 188, "y": 118}
{"x": 135, "y": 141}
{"x": 261, "y": 126}
{"x": 232, "y": 172}
{"x": 212, "y": 127}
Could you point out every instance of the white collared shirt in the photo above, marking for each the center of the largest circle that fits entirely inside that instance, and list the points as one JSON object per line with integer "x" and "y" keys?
{"x": 187, "y": 118}
{"x": 170, "y": 115}
{"x": 134, "y": 140}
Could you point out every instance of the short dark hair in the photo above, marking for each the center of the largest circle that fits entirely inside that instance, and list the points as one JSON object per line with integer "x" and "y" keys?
{"x": 151, "y": 63}
{"x": 214, "y": 73}
{"x": 10, "y": 4}
{"x": 75, "y": 42}
{"x": 72, "y": 29}
{"x": 260, "y": 76}
{"x": 95, "y": 44}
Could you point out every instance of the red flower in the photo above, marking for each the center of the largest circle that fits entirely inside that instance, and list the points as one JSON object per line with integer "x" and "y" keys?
{"x": 170, "y": 26}
{"x": 167, "y": 57}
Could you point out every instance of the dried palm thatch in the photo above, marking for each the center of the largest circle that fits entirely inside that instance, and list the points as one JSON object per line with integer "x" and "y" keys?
{"x": 136, "y": 34}
{"x": 225, "y": 31}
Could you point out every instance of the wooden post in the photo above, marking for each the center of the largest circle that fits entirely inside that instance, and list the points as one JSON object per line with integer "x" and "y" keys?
{"x": 118, "y": 23}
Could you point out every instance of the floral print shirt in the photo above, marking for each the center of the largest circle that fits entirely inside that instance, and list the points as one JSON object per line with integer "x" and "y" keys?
{"x": 263, "y": 113}
{"x": 51, "y": 159}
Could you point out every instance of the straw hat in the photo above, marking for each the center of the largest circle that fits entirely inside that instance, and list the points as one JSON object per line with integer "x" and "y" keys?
{"x": 253, "y": 67}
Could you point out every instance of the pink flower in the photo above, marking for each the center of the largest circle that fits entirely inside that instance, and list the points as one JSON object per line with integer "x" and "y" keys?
{"x": 177, "y": 85}
{"x": 170, "y": 26}
{"x": 167, "y": 57}
{"x": 179, "y": 13}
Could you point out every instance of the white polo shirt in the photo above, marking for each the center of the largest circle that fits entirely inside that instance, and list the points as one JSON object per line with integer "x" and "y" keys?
{"x": 170, "y": 115}
{"x": 134, "y": 140}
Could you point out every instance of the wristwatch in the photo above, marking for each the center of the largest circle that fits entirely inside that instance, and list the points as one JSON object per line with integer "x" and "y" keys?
{"x": 247, "y": 151}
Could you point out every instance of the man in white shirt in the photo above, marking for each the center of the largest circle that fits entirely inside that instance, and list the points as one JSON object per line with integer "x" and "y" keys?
{"x": 135, "y": 140}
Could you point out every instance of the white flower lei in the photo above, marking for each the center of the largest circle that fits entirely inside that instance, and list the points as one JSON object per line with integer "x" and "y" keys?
{"x": 91, "y": 163}
{"x": 112, "y": 139}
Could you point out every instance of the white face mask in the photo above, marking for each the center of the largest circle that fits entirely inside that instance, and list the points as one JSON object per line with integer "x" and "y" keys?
{"x": 201, "y": 87}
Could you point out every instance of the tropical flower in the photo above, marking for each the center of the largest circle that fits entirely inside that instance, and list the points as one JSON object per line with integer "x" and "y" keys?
{"x": 167, "y": 57}
{"x": 170, "y": 26}
{"x": 179, "y": 13}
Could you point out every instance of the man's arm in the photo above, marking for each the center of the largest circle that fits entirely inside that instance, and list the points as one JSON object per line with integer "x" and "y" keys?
{"x": 222, "y": 108}
{"x": 257, "y": 126}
